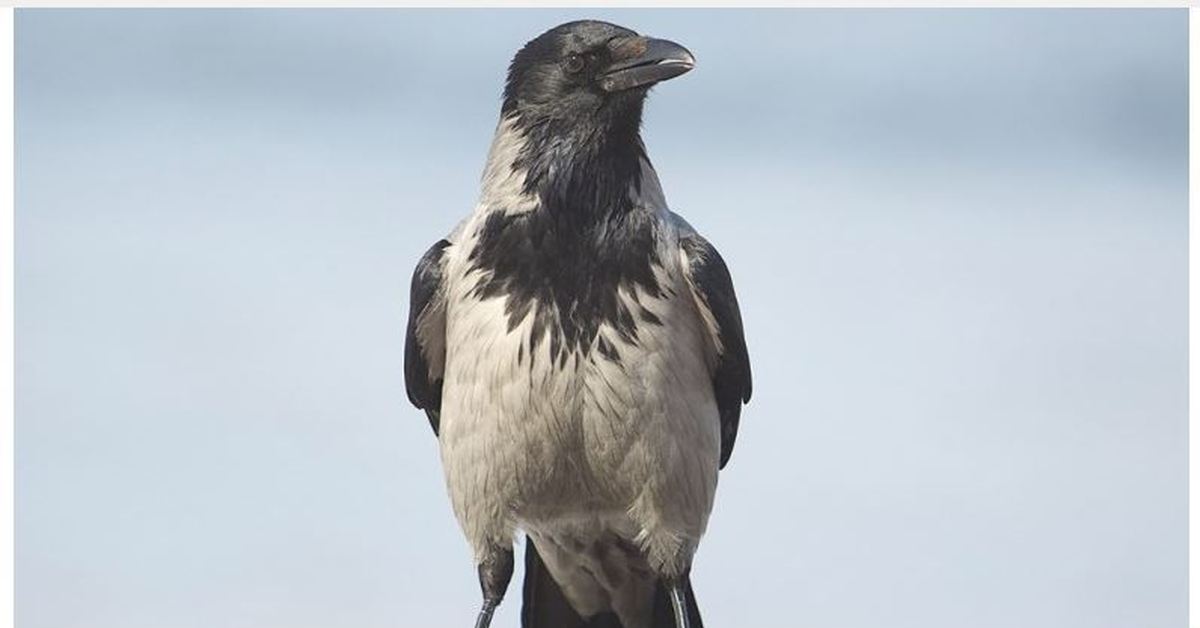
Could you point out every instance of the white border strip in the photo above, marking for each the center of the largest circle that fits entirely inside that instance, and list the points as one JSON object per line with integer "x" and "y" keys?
{"x": 610, "y": 4}
{"x": 1193, "y": 301}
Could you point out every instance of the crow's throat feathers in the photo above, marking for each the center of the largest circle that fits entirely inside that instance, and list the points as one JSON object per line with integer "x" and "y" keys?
{"x": 582, "y": 172}
{"x": 570, "y": 222}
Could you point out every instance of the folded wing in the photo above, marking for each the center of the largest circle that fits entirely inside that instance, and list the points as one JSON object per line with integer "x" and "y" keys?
{"x": 425, "y": 342}
{"x": 712, "y": 287}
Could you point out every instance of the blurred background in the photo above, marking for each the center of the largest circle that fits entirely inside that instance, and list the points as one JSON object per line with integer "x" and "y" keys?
{"x": 958, "y": 236}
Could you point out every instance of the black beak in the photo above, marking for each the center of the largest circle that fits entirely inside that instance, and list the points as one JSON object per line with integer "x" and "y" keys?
{"x": 640, "y": 61}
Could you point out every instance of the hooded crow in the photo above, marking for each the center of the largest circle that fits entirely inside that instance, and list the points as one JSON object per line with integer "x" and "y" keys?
{"x": 578, "y": 348}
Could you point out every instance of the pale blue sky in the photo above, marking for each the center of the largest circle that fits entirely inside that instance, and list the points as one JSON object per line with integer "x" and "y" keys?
{"x": 959, "y": 239}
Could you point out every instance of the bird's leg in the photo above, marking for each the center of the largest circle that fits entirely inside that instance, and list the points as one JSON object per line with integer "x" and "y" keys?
{"x": 495, "y": 571}
{"x": 677, "y": 591}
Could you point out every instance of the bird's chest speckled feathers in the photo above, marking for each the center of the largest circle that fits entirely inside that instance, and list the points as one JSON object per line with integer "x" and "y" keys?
{"x": 585, "y": 383}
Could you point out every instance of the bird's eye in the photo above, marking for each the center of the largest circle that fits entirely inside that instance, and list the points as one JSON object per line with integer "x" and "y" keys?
{"x": 573, "y": 63}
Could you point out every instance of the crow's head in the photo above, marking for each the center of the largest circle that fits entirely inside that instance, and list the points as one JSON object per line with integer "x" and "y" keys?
{"x": 589, "y": 72}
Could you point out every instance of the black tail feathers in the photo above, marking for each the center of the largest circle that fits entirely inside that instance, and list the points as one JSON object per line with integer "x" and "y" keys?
{"x": 545, "y": 606}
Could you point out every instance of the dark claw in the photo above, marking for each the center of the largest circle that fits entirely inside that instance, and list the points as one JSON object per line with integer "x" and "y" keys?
{"x": 675, "y": 591}
{"x": 495, "y": 572}
{"x": 485, "y": 615}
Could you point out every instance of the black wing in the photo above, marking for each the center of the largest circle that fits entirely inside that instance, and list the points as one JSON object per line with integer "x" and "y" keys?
{"x": 425, "y": 344}
{"x": 713, "y": 289}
